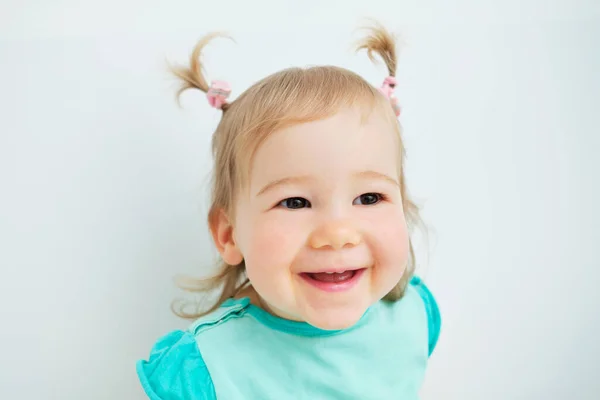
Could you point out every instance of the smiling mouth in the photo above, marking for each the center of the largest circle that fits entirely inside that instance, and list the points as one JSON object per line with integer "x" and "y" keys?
{"x": 333, "y": 281}
{"x": 332, "y": 277}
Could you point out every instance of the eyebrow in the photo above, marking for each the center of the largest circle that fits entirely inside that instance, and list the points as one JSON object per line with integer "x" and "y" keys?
{"x": 377, "y": 175}
{"x": 291, "y": 180}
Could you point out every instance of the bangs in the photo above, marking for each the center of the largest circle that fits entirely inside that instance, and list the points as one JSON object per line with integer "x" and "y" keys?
{"x": 295, "y": 96}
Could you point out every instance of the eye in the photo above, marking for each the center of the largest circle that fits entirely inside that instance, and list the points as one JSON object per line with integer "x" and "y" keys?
{"x": 295, "y": 203}
{"x": 368, "y": 199}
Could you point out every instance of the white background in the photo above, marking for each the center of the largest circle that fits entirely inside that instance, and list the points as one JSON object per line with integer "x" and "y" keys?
{"x": 102, "y": 179}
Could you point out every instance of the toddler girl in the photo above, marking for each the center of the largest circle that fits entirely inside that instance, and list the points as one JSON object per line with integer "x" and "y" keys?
{"x": 316, "y": 297}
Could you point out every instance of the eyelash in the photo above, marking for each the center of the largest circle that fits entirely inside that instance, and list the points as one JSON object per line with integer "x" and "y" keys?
{"x": 380, "y": 197}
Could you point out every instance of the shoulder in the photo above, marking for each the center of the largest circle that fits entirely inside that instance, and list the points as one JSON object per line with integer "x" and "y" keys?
{"x": 175, "y": 368}
{"x": 434, "y": 320}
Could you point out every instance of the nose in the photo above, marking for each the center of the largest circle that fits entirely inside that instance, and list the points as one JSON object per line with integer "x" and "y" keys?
{"x": 335, "y": 235}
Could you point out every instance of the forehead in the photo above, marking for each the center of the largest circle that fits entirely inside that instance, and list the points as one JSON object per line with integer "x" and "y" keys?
{"x": 342, "y": 144}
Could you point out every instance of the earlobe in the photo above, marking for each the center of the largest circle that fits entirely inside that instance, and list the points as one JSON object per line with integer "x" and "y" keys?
{"x": 223, "y": 236}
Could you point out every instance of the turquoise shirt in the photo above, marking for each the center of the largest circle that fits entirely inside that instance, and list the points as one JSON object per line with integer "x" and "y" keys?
{"x": 242, "y": 352}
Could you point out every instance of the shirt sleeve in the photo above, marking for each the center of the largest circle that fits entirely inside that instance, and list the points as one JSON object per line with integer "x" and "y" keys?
{"x": 175, "y": 370}
{"x": 434, "y": 320}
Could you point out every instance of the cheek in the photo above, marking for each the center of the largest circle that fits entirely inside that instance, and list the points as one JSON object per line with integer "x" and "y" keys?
{"x": 392, "y": 242}
{"x": 274, "y": 240}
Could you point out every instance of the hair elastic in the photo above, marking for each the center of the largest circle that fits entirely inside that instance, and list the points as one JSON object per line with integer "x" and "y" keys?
{"x": 387, "y": 88}
{"x": 218, "y": 93}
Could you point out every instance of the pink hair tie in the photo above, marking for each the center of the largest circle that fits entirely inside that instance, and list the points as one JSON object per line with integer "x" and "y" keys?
{"x": 387, "y": 89}
{"x": 218, "y": 93}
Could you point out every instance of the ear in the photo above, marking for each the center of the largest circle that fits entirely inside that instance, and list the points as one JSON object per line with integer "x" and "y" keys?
{"x": 222, "y": 233}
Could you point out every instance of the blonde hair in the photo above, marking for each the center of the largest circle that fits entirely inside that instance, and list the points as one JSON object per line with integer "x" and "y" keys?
{"x": 291, "y": 96}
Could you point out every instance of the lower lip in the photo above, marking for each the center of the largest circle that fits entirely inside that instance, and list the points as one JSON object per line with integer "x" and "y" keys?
{"x": 333, "y": 287}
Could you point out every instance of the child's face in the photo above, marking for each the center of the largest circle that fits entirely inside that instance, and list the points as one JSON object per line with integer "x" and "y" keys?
{"x": 323, "y": 197}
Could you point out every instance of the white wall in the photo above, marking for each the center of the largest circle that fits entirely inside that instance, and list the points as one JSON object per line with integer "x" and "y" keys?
{"x": 102, "y": 179}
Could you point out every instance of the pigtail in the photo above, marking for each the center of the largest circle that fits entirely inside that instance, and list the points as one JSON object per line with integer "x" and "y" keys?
{"x": 192, "y": 76}
{"x": 383, "y": 43}
{"x": 229, "y": 279}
